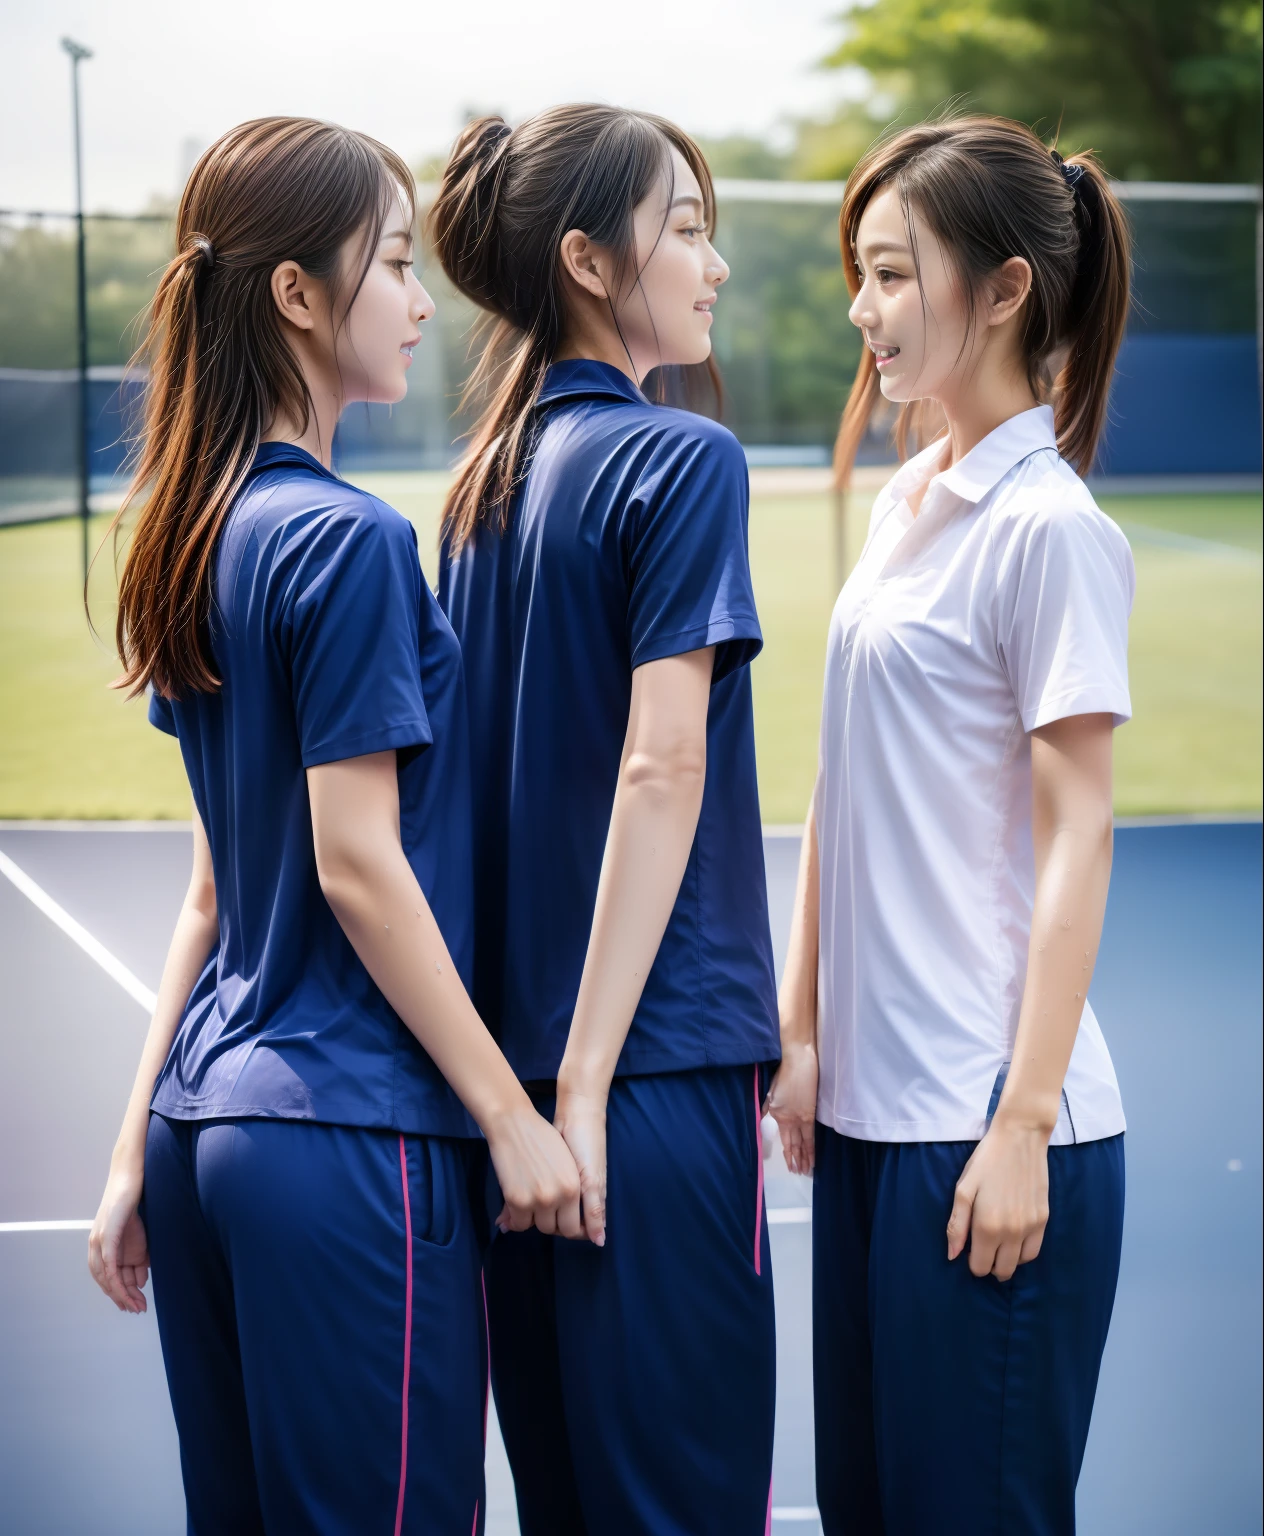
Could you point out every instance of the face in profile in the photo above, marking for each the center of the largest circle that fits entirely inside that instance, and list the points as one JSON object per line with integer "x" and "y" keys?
{"x": 374, "y": 348}
{"x": 910, "y": 308}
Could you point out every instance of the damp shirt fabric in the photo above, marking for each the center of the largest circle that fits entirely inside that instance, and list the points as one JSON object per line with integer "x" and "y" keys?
{"x": 1001, "y": 607}
{"x": 329, "y": 645}
{"x": 626, "y": 543}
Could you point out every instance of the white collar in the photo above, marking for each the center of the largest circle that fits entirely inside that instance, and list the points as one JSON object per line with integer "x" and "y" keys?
{"x": 987, "y": 463}
{"x": 990, "y": 460}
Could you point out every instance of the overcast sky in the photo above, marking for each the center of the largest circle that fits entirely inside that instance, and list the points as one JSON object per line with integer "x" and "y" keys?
{"x": 169, "y": 75}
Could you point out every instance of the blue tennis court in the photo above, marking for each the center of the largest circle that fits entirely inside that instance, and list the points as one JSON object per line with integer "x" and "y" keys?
{"x": 86, "y": 1437}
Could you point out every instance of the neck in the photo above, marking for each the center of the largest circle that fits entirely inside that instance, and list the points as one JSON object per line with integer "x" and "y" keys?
{"x": 592, "y": 341}
{"x": 317, "y": 437}
{"x": 989, "y": 398}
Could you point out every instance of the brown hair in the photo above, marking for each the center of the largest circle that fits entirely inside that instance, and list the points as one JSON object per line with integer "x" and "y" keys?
{"x": 506, "y": 199}
{"x": 220, "y": 370}
{"x": 990, "y": 190}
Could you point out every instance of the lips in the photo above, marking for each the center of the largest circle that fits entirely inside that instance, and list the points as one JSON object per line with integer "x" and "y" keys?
{"x": 410, "y": 347}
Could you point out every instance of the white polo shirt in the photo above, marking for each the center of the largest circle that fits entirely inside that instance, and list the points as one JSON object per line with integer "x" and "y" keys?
{"x": 1002, "y": 606}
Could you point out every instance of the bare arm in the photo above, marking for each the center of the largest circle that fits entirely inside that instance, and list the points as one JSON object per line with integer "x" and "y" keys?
{"x": 118, "y": 1254}
{"x": 374, "y": 894}
{"x": 792, "y": 1097}
{"x": 657, "y": 802}
{"x": 1003, "y": 1193}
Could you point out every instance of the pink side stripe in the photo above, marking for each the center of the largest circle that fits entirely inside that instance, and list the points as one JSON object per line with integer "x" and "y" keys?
{"x": 474, "y": 1527}
{"x": 487, "y": 1334}
{"x": 768, "y": 1516}
{"x": 408, "y": 1338}
{"x": 759, "y": 1189}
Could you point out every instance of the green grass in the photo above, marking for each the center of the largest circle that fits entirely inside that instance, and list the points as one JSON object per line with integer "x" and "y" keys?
{"x": 69, "y": 747}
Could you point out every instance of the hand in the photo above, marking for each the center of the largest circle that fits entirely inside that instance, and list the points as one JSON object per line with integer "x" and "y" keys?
{"x": 791, "y": 1102}
{"x": 537, "y": 1175}
{"x": 118, "y": 1251}
{"x": 581, "y": 1118}
{"x": 1002, "y": 1200}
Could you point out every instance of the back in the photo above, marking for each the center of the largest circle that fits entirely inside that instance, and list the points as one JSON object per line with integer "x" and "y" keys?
{"x": 329, "y": 646}
{"x": 626, "y": 544}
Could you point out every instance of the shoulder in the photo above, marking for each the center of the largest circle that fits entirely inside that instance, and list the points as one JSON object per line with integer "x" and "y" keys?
{"x": 652, "y": 436}
{"x": 1042, "y": 504}
{"x": 305, "y": 512}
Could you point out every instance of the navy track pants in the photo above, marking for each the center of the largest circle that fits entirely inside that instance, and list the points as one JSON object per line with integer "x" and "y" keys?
{"x": 635, "y": 1383}
{"x": 947, "y": 1404}
{"x": 322, "y": 1323}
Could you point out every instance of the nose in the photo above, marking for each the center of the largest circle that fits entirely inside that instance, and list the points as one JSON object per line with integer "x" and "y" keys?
{"x": 717, "y": 268}
{"x": 861, "y": 311}
{"x": 422, "y": 307}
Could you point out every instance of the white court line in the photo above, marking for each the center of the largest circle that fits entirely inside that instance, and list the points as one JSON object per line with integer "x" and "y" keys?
{"x": 788, "y": 1215}
{"x": 45, "y": 1226}
{"x": 795, "y": 1512}
{"x": 93, "y": 948}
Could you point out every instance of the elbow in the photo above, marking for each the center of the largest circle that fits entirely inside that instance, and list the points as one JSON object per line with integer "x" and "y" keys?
{"x": 341, "y": 874}
{"x": 673, "y": 774}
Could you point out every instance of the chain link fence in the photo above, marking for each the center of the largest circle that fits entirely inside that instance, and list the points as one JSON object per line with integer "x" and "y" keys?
{"x": 1186, "y": 401}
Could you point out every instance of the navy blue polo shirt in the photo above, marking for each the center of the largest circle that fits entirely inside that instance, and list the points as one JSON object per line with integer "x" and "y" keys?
{"x": 329, "y": 645}
{"x": 627, "y": 542}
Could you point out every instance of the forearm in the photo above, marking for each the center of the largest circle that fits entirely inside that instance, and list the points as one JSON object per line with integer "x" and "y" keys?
{"x": 652, "y": 827}
{"x": 195, "y": 933}
{"x": 797, "y": 997}
{"x": 381, "y": 908}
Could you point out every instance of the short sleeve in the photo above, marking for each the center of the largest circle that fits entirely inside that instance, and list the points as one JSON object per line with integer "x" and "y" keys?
{"x": 687, "y": 554}
{"x": 1065, "y": 583}
{"x": 161, "y": 713}
{"x": 353, "y": 615}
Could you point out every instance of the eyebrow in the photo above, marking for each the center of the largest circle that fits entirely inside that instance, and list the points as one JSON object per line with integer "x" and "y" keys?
{"x": 688, "y": 201}
{"x": 885, "y": 245}
{"x": 399, "y": 234}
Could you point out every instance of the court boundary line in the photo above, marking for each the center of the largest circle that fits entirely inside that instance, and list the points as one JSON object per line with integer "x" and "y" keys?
{"x": 771, "y": 829}
{"x": 78, "y": 934}
{"x": 776, "y": 1215}
{"x": 78, "y": 1224}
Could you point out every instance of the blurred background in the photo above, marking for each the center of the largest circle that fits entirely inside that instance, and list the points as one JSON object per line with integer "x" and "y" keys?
{"x": 784, "y": 99}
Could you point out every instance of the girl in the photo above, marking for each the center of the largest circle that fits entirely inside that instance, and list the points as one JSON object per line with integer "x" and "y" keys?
{"x": 595, "y": 569}
{"x": 957, "y": 855}
{"x": 301, "y": 1125}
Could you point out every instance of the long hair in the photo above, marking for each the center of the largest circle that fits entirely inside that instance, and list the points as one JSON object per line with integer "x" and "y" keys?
{"x": 990, "y": 190}
{"x": 220, "y": 370}
{"x": 506, "y": 199}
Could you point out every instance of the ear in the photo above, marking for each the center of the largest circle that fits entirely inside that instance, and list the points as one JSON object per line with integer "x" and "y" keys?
{"x": 578, "y": 256}
{"x": 295, "y": 294}
{"x": 1008, "y": 286}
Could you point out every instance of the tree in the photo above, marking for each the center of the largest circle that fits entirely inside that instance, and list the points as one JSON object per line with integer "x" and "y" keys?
{"x": 1162, "y": 89}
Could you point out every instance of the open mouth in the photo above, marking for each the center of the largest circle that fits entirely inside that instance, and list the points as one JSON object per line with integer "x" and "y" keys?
{"x": 704, "y": 306}
{"x": 883, "y": 355}
{"x": 410, "y": 347}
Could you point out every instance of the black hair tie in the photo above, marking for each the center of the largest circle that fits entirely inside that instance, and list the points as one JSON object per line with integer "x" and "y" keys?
{"x": 205, "y": 250}
{"x": 1073, "y": 175}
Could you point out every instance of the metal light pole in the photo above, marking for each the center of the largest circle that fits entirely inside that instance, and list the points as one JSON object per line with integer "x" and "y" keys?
{"x": 78, "y": 53}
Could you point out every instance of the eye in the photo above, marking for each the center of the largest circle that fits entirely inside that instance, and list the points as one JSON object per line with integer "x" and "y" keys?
{"x": 885, "y": 275}
{"x": 693, "y": 230}
{"x": 401, "y": 264}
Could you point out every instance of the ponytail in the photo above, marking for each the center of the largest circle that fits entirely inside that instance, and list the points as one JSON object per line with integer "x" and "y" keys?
{"x": 220, "y": 369}
{"x": 990, "y": 190}
{"x": 506, "y": 199}
{"x": 465, "y": 228}
{"x": 1096, "y": 313}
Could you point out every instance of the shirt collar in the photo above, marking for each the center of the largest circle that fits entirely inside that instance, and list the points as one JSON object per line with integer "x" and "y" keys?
{"x": 989, "y": 461}
{"x": 583, "y": 378}
{"x": 269, "y": 455}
